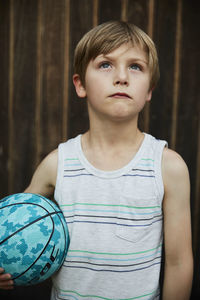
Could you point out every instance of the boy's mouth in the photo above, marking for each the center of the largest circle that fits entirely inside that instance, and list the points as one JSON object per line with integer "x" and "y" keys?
{"x": 120, "y": 95}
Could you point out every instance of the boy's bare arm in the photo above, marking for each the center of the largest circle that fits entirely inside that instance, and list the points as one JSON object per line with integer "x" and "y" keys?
{"x": 43, "y": 183}
{"x": 44, "y": 179}
{"x": 177, "y": 228}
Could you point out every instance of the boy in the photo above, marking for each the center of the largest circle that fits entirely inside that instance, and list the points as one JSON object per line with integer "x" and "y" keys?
{"x": 118, "y": 188}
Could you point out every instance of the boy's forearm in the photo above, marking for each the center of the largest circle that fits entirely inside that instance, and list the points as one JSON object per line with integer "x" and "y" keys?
{"x": 177, "y": 282}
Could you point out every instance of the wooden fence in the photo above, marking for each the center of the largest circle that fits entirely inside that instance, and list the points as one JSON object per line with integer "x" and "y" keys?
{"x": 39, "y": 108}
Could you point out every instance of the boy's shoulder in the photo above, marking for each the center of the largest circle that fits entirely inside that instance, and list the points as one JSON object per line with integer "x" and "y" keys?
{"x": 173, "y": 166}
{"x": 51, "y": 158}
{"x": 44, "y": 177}
{"x": 48, "y": 165}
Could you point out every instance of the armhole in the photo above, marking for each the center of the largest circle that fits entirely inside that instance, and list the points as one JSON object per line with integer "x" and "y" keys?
{"x": 59, "y": 178}
{"x": 159, "y": 148}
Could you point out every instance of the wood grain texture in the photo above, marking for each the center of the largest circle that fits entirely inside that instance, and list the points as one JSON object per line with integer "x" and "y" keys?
{"x": 95, "y": 16}
{"x": 66, "y": 62}
{"x": 22, "y": 70}
{"x": 81, "y": 21}
{"x": 176, "y": 78}
{"x": 39, "y": 106}
{"x": 109, "y": 10}
{"x": 4, "y": 100}
{"x": 10, "y": 97}
{"x": 187, "y": 139}
{"x": 137, "y": 13}
{"x": 39, "y": 72}
{"x": 53, "y": 14}
{"x": 164, "y": 38}
{"x": 140, "y": 13}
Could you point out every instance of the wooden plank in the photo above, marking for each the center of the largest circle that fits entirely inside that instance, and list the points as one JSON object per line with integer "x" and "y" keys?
{"x": 188, "y": 118}
{"x": 22, "y": 93}
{"x": 18, "y": 58}
{"x": 95, "y": 12}
{"x": 52, "y": 47}
{"x": 187, "y": 133}
{"x": 164, "y": 38}
{"x": 195, "y": 207}
{"x": 138, "y": 12}
{"x": 4, "y": 83}
{"x": 124, "y": 10}
{"x": 39, "y": 72}
{"x": 10, "y": 98}
{"x": 196, "y": 217}
{"x": 141, "y": 14}
{"x": 176, "y": 74}
{"x": 196, "y": 194}
{"x": 81, "y": 21}
{"x": 107, "y": 12}
{"x": 66, "y": 63}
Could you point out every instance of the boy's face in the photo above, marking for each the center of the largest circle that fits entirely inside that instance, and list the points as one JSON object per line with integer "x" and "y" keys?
{"x": 116, "y": 84}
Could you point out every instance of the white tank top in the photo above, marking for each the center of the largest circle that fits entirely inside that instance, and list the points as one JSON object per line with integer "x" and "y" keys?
{"x": 115, "y": 225}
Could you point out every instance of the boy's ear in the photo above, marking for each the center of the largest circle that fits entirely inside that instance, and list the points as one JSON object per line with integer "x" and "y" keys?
{"x": 80, "y": 90}
{"x": 149, "y": 95}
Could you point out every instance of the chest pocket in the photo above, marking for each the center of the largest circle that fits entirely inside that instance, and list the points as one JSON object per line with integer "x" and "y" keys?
{"x": 137, "y": 218}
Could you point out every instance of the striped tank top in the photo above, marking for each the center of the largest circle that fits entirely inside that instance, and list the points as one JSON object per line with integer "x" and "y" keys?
{"x": 115, "y": 225}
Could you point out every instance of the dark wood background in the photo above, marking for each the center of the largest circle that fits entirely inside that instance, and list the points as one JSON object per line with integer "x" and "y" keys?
{"x": 39, "y": 108}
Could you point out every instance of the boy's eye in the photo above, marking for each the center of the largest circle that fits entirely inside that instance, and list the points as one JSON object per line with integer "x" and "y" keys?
{"x": 105, "y": 65}
{"x": 136, "y": 67}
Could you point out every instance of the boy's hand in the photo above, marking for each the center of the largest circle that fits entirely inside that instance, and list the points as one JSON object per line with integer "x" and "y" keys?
{"x": 5, "y": 280}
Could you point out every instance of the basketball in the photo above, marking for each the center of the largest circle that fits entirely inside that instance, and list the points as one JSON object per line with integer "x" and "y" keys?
{"x": 33, "y": 238}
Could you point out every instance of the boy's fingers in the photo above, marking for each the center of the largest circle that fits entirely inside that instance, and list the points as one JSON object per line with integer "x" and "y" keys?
{"x": 5, "y": 280}
{"x": 7, "y": 287}
{"x": 4, "y": 277}
{"x": 6, "y": 283}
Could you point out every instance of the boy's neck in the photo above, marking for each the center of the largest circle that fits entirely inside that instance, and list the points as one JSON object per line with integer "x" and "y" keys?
{"x": 111, "y": 149}
{"x": 116, "y": 139}
{"x": 112, "y": 133}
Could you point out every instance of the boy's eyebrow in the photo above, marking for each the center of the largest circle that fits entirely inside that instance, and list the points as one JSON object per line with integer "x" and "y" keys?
{"x": 110, "y": 57}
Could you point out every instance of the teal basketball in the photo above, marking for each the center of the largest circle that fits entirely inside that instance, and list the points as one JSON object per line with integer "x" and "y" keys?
{"x": 33, "y": 238}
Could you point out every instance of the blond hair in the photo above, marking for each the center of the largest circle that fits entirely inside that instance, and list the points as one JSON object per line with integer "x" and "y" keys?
{"x": 109, "y": 36}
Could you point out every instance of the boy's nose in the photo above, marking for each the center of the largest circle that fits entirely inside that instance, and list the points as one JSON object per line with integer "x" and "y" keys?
{"x": 121, "y": 78}
{"x": 121, "y": 82}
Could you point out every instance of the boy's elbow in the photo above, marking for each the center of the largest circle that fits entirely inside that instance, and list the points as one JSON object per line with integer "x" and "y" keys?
{"x": 182, "y": 263}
